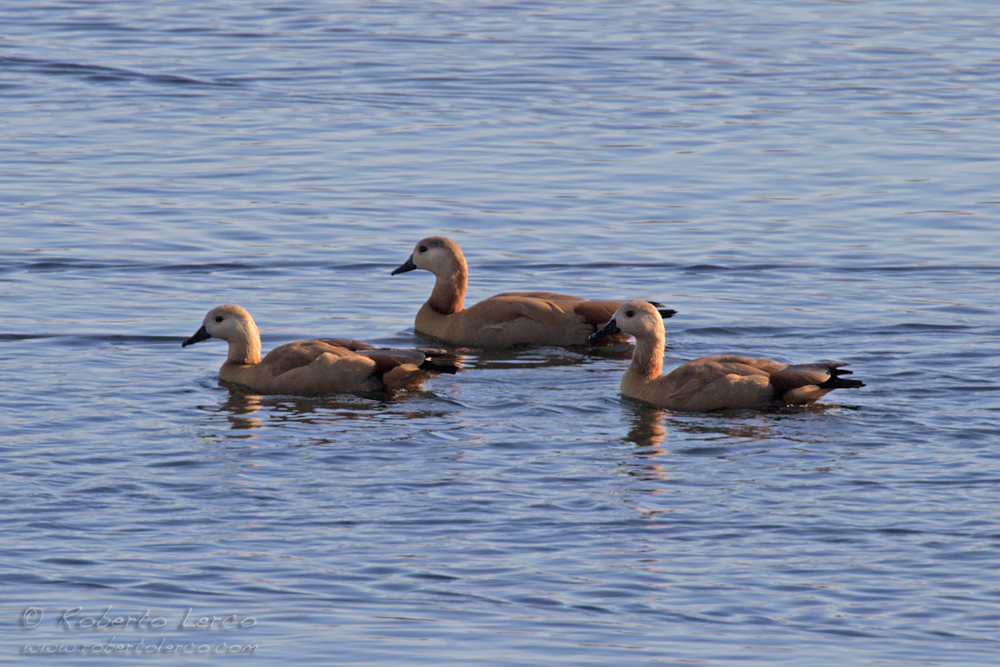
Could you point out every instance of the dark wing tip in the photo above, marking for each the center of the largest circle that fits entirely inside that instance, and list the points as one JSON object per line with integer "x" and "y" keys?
{"x": 837, "y": 382}
{"x": 663, "y": 310}
{"x": 440, "y": 366}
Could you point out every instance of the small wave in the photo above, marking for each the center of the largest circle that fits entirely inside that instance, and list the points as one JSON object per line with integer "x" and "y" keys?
{"x": 990, "y": 269}
{"x": 923, "y": 326}
{"x": 68, "y": 264}
{"x": 90, "y": 340}
{"x": 105, "y": 74}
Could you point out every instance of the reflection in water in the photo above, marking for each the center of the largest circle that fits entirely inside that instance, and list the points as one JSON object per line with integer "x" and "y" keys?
{"x": 529, "y": 358}
{"x": 705, "y": 434}
{"x": 647, "y": 432}
{"x": 247, "y": 411}
{"x": 723, "y": 432}
{"x": 717, "y": 432}
{"x": 241, "y": 407}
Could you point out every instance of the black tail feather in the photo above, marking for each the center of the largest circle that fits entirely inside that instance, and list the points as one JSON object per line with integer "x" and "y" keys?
{"x": 663, "y": 310}
{"x": 437, "y": 366}
{"x": 837, "y": 382}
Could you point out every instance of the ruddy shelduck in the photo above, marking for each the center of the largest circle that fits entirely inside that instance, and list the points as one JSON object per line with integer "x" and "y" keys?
{"x": 717, "y": 382}
{"x": 312, "y": 367}
{"x": 504, "y": 320}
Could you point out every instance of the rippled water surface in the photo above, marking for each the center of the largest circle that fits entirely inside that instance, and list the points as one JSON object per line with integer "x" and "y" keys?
{"x": 801, "y": 181}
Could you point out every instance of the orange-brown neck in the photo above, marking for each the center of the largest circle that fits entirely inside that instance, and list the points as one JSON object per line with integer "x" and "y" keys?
{"x": 448, "y": 295}
{"x": 245, "y": 349}
{"x": 647, "y": 358}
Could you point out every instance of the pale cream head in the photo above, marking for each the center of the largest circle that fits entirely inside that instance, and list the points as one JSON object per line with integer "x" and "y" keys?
{"x": 636, "y": 318}
{"x": 230, "y": 323}
{"x": 442, "y": 257}
{"x": 437, "y": 254}
{"x": 639, "y": 319}
{"x": 235, "y": 326}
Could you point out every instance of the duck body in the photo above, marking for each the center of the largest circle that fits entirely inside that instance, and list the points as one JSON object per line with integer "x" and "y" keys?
{"x": 312, "y": 367}
{"x": 714, "y": 382}
{"x": 517, "y": 318}
{"x": 505, "y": 320}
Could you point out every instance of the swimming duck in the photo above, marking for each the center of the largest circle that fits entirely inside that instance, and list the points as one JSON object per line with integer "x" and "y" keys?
{"x": 717, "y": 382}
{"x": 312, "y": 367}
{"x": 504, "y": 320}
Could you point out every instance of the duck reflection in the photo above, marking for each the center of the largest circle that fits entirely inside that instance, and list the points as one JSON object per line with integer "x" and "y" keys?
{"x": 647, "y": 431}
{"x": 524, "y": 358}
{"x": 248, "y": 411}
{"x": 719, "y": 433}
{"x": 241, "y": 408}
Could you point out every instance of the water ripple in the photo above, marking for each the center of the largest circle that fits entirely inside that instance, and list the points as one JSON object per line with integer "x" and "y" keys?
{"x": 811, "y": 181}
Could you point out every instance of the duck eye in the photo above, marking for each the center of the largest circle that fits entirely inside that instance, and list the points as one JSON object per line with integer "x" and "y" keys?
{"x": 219, "y": 318}
{"x": 629, "y": 313}
{"x": 423, "y": 248}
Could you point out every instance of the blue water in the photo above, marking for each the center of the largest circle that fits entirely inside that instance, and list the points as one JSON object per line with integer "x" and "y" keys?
{"x": 801, "y": 181}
